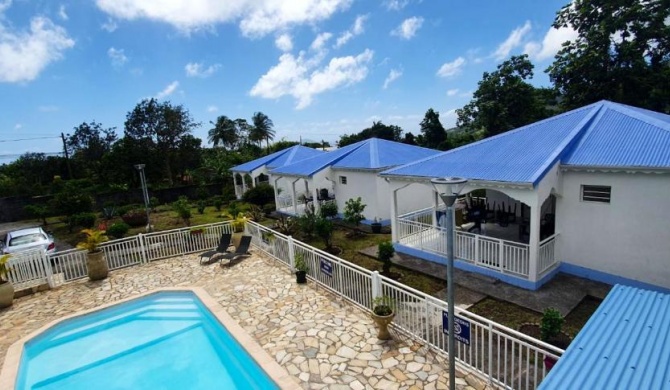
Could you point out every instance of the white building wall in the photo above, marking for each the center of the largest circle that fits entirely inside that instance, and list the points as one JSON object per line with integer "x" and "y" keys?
{"x": 629, "y": 237}
{"x": 359, "y": 183}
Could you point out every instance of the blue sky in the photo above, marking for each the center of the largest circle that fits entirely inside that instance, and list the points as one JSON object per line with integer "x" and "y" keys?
{"x": 317, "y": 68}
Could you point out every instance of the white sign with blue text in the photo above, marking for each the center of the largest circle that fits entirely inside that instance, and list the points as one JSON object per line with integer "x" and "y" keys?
{"x": 461, "y": 328}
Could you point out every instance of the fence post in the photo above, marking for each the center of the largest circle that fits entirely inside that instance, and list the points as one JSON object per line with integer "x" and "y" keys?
{"x": 46, "y": 264}
{"x": 501, "y": 256}
{"x": 291, "y": 253}
{"x": 476, "y": 259}
{"x": 140, "y": 237}
{"x": 376, "y": 285}
{"x": 491, "y": 353}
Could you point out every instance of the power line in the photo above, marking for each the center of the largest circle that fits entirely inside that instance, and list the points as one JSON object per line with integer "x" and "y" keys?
{"x": 25, "y": 139}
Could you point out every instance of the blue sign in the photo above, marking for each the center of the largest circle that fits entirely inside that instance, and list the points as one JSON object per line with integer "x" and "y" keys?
{"x": 461, "y": 328}
{"x": 326, "y": 267}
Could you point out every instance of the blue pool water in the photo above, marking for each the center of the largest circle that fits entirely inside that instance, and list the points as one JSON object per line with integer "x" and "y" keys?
{"x": 167, "y": 340}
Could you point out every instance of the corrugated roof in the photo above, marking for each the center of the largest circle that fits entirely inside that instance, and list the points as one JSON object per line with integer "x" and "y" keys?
{"x": 602, "y": 134}
{"x": 278, "y": 159}
{"x": 371, "y": 153}
{"x": 624, "y": 345}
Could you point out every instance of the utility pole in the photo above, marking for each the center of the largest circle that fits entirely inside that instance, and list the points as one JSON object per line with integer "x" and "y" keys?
{"x": 67, "y": 157}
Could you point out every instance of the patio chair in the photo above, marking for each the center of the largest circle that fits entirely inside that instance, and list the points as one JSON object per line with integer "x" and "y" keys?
{"x": 224, "y": 243}
{"x": 241, "y": 252}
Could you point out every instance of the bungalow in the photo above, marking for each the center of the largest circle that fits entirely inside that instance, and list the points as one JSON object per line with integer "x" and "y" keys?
{"x": 586, "y": 192}
{"x": 350, "y": 172}
{"x": 257, "y": 170}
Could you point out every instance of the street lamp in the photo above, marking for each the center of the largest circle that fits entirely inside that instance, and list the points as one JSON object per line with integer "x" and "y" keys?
{"x": 448, "y": 188}
{"x": 145, "y": 193}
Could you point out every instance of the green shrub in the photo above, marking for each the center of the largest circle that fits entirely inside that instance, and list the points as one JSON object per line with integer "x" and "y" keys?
{"x": 217, "y": 201}
{"x": 255, "y": 213}
{"x": 551, "y": 324}
{"x": 329, "y": 210}
{"x": 269, "y": 208}
{"x": 324, "y": 229}
{"x": 183, "y": 209}
{"x": 85, "y": 220}
{"x": 118, "y": 230}
{"x": 260, "y": 195}
{"x": 201, "y": 207}
{"x": 385, "y": 252}
{"x": 353, "y": 211}
{"x": 202, "y": 193}
{"x": 39, "y": 211}
{"x": 153, "y": 203}
{"x": 122, "y": 210}
{"x": 307, "y": 224}
{"x": 135, "y": 218}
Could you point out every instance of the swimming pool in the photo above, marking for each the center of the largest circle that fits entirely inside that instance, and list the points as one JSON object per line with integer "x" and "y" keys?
{"x": 165, "y": 340}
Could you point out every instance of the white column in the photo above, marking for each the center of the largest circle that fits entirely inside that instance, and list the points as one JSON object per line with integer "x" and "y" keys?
{"x": 394, "y": 215}
{"x": 315, "y": 202}
{"x": 534, "y": 239}
{"x": 436, "y": 205}
{"x": 253, "y": 181}
{"x": 276, "y": 193}
{"x": 295, "y": 201}
{"x": 237, "y": 190}
{"x": 244, "y": 183}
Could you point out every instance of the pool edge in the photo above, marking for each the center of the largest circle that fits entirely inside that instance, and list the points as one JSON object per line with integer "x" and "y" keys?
{"x": 277, "y": 373}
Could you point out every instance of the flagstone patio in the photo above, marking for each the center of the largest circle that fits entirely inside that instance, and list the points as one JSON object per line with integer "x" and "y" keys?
{"x": 324, "y": 342}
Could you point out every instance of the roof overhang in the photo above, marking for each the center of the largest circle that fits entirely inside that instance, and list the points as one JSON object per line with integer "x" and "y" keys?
{"x": 471, "y": 182}
{"x": 610, "y": 169}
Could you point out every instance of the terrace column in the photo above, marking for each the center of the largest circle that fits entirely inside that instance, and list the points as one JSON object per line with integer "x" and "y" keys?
{"x": 293, "y": 198}
{"x": 394, "y": 215}
{"x": 237, "y": 190}
{"x": 244, "y": 183}
{"x": 436, "y": 205}
{"x": 277, "y": 206}
{"x": 315, "y": 200}
{"x": 534, "y": 239}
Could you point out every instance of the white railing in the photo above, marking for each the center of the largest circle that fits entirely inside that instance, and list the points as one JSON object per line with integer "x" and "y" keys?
{"x": 502, "y": 355}
{"x": 284, "y": 201}
{"x": 501, "y": 255}
{"x": 29, "y": 269}
{"x": 546, "y": 258}
{"x": 424, "y": 216}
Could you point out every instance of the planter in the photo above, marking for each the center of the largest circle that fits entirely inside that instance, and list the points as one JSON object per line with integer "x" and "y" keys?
{"x": 6, "y": 295}
{"x": 376, "y": 228}
{"x": 301, "y": 277}
{"x": 562, "y": 341}
{"x": 383, "y": 323}
{"x": 97, "y": 266}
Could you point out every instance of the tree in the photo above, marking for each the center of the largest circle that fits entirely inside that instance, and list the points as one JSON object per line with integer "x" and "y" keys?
{"x": 224, "y": 133}
{"x": 621, "y": 53}
{"x": 377, "y": 130}
{"x": 163, "y": 124}
{"x": 432, "y": 130}
{"x": 504, "y": 100}
{"x": 353, "y": 212}
{"x": 262, "y": 129}
{"x": 88, "y": 144}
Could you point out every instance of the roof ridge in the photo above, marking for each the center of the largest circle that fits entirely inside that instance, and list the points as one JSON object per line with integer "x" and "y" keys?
{"x": 374, "y": 153}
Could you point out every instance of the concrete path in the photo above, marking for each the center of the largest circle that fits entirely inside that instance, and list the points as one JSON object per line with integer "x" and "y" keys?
{"x": 563, "y": 293}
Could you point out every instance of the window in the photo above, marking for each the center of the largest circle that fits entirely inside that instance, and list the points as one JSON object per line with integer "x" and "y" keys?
{"x": 343, "y": 180}
{"x": 596, "y": 193}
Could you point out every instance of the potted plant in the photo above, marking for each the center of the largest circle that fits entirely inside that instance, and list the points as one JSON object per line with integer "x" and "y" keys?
{"x": 300, "y": 268}
{"x": 382, "y": 314}
{"x": 95, "y": 262}
{"x": 376, "y": 226}
{"x": 6, "y": 288}
{"x": 550, "y": 332}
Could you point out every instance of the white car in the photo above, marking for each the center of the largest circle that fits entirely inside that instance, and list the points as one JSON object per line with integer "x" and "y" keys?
{"x": 28, "y": 239}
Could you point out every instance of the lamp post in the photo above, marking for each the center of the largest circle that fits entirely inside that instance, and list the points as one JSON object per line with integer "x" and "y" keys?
{"x": 448, "y": 188}
{"x": 145, "y": 193}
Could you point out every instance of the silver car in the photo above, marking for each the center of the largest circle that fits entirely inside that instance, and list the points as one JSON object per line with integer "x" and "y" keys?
{"x": 28, "y": 239}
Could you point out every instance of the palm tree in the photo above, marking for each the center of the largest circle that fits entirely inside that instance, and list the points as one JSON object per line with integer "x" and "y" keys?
{"x": 224, "y": 133}
{"x": 262, "y": 129}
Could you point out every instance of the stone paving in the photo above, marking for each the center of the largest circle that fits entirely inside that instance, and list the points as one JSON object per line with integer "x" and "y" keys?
{"x": 323, "y": 342}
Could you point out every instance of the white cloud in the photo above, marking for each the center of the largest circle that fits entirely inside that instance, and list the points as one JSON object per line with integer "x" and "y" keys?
{"x": 284, "y": 42}
{"x": 356, "y": 29}
{"x": 256, "y": 17}
{"x": 452, "y": 68}
{"x": 117, "y": 56}
{"x": 18, "y": 126}
{"x": 62, "y": 13}
{"x": 320, "y": 40}
{"x": 393, "y": 75}
{"x": 408, "y": 28}
{"x": 110, "y": 25}
{"x": 395, "y": 5}
{"x": 196, "y": 69}
{"x": 551, "y": 43}
{"x": 513, "y": 40}
{"x": 301, "y": 78}
{"x": 24, "y": 55}
{"x": 169, "y": 90}
{"x": 452, "y": 92}
{"x": 212, "y": 108}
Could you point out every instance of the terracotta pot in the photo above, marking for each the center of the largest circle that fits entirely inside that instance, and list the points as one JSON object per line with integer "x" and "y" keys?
{"x": 383, "y": 323}
{"x": 97, "y": 266}
{"x": 6, "y": 295}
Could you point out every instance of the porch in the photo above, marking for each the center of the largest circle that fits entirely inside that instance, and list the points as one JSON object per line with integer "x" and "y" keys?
{"x": 502, "y": 251}
{"x": 285, "y": 205}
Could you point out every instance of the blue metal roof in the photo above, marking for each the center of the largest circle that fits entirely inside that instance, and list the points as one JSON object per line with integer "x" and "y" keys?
{"x": 278, "y": 159}
{"x": 371, "y": 154}
{"x": 624, "y": 345}
{"x": 602, "y": 134}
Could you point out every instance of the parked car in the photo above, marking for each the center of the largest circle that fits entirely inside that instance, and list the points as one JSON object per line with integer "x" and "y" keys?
{"x": 28, "y": 239}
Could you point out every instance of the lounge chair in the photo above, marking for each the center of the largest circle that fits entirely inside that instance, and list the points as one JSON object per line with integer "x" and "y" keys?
{"x": 241, "y": 251}
{"x": 224, "y": 243}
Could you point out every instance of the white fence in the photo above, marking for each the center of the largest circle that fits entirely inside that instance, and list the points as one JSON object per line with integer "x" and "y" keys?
{"x": 504, "y": 356}
{"x": 547, "y": 256}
